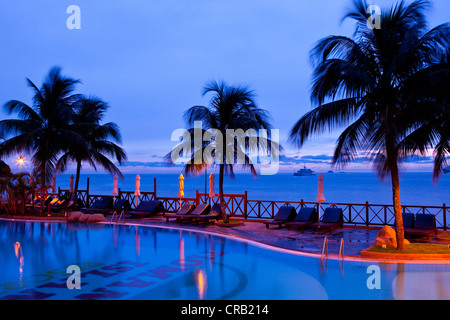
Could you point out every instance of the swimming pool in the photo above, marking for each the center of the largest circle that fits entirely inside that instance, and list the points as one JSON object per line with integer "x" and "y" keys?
{"x": 140, "y": 262}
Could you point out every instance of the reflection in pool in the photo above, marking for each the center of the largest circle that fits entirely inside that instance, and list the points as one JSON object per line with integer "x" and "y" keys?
{"x": 135, "y": 262}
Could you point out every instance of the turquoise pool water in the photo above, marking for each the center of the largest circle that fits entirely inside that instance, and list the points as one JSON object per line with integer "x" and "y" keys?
{"x": 135, "y": 262}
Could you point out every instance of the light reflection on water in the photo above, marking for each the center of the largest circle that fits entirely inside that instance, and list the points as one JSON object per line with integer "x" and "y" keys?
{"x": 133, "y": 262}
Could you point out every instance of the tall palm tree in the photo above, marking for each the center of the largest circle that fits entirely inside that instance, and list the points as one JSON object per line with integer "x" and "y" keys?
{"x": 374, "y": 84}
{"x": 100, "y": 139}
{"x": 42, "y": 129}
{"x": 231, "y": 108}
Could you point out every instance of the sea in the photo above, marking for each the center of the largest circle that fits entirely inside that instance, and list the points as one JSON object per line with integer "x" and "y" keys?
{"x": 416, "y": 188}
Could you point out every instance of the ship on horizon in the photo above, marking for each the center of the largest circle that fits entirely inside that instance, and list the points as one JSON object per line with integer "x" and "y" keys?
{"x": 446, "y": 170}
{"x": 304, "y": 172}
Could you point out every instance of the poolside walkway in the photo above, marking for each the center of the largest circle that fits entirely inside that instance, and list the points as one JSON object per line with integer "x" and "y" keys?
{"x": 355, "y": 239}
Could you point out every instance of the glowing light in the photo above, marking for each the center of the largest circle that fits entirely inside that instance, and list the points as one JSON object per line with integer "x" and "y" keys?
{"x": 17, "y": 249}
{"x": 201, "y": 283}
{"x": 19, "y": 255}
{"x": 21, "y": 160}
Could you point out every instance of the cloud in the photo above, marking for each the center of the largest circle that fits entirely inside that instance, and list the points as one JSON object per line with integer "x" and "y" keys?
{"x": 155, "y": 164}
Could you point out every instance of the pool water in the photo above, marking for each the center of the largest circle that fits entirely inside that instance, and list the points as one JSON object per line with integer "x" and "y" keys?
{"x": 137, "y": 262}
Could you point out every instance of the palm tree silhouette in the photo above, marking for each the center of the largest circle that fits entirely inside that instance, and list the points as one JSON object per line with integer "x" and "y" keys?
{"x": 42, "y": 129}
{"x": 231, "y": 108}
{"x": 382, "y": 84}
{"x": 100, "y": 139}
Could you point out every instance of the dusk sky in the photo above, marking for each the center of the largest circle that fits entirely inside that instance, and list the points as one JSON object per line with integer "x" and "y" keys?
{"x": 149, "y": 59}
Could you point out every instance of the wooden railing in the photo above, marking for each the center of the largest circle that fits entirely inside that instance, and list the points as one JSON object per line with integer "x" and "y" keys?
{"x": 239, "y": 206}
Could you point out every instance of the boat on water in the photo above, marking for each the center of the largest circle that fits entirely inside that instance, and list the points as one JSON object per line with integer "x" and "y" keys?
{"x": 304, "y": 172}
{"x": 446, "y": 170}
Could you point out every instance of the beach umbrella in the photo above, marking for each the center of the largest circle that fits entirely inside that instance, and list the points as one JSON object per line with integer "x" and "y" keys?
{"x": 180, "y": 187}
{"x": 115, "y": 183}
{"x": 137, "y": 193}
{"x": 211, "y": 186}
{"x": 320, "y": 196}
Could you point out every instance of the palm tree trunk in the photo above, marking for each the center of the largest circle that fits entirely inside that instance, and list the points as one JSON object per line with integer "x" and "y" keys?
{"x": 77, "y": 180}
{"x": 44, "y": 173}
{"x": 391, "y": 159}
{"x": 221, "y": 197}
{"x": 397, "y": 206}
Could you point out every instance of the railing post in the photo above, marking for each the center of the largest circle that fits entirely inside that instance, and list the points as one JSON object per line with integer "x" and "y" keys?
{"x": 87, "y": 193}
{"x": 197, "y": 198}
{"x": 245, "y": 204}
{"x": 259, "y": 209}
{"x": 302, "y": 203}
{"x": 154, "y": 187}
{"x": 349, "y": 213}
{"x": 367, "y": 213}
{"x": 444, "y": 211}
{"x": 273, "y": 208}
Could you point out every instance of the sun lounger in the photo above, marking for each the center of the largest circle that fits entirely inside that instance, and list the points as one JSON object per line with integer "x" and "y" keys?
{"x": 146, "y": 208}
{"x": 214, "y": 214}
{"x": 58, "y": 204}
{"x": 304, "y": 218}
{"x": 408, "y": 220}
{"x": 424, "y": 225}
{"x": 201, "y": 209}
{"x": 332, "y": 218}
{"x": 119, "y": 205}
{"x": 100, "y": 204}
{"x": 185, "y": 209}
{"x": 285, "y": 214}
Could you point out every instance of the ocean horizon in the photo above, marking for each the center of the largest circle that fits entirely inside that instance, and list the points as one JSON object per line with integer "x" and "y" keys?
{"x": 416, "y": 188}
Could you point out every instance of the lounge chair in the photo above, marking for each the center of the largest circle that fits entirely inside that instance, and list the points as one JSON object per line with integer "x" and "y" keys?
{"x": 285, "y": 214}
{"x": 100, "y": 204}
{"x": 146, "y": 208}
{"x": 304, "y": 218}
{"x": 58, "y": 204}
{"x": 119, "y": 205}
{"x": 408, "y": 220}
{"x": 214, "y": 214}
{"x": 332, "y": 218}
{"x": 201, "y": 210}
{"x": 184, "y": 210}
{"x": 424, "y": 225}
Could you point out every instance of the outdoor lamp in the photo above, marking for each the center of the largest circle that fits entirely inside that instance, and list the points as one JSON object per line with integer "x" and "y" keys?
{"x": 21, "y": 161}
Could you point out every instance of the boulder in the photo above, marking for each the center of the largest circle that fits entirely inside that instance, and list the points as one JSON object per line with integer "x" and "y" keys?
{"x": 386, "y": 236}
{"x": 74, "y": 216}
{"x": 83, "y": 218}
{"x": 96, "y": 217}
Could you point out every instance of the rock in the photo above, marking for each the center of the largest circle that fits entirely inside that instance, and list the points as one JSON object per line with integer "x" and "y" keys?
{"x": 96, "y": 217}
{"x": 74, "y": 216}
{"x": 83, "y": 218}
{"x": 386, "y": 236}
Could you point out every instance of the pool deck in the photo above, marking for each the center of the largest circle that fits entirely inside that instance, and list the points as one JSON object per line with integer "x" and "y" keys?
{"x": 355, "y": 239}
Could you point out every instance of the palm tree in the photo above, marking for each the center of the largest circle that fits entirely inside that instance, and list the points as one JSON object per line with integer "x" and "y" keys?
{"x": 100, "y": 139}
{"x": 231, "y": 108}
{"x": 374, "y": 84}
{"x": 42, "y": 129}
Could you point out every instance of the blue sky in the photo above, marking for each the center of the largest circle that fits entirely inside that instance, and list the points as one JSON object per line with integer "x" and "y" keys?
{"x": 149, "y": 59}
